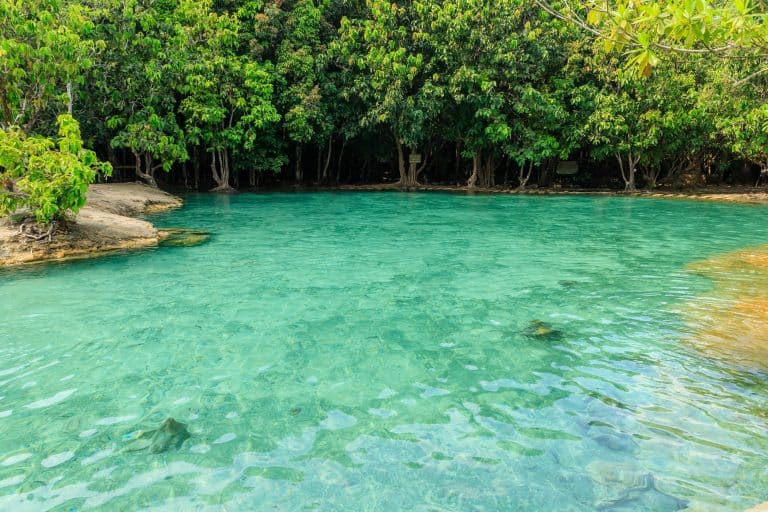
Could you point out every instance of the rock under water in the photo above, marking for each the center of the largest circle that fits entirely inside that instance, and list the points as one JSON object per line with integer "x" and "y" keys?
{"x": 183, "y": 237}
{"x": 625, "y": 487}
{"x": 645, "y": 496}
{"x": 541, "y": 330}
{"x": 170, "y": 434}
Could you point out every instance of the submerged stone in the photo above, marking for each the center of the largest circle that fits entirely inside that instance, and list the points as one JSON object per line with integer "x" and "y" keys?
{"x": 542, "y": 330}
{"x": 171, "y": 434}
{"x": 182, "y": 237}
{"x": 622, "y": 487}
{"x": 645, "y": 496}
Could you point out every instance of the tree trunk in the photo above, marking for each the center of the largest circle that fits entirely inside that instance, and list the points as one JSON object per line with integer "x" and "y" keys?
{"x": 299, "y": 172}
{"x": 226, "y": 166}
{"x": 476, "y": 156}
{"x": 651, "y": 175}
{"x": 146, "y": 176}
{"x": 490, "y": 171}
{"x": 215, "y": 168}
{"x": 401, "y": 162}
{"x": 327, "y": 159}
{"x": 457, "y": 164}
{"x": 196, "y": 165}
{"x": 545, "y": 172}
{"x": 424, "y": 162}
{"x": 412, "y": 174}
{"x": 633, "y": 161}
{"x": 221, "y": 171}
{"x": 341, "y": 156}
{"x": 149, "y": 168}
{"x": 525, "y": 175}
{"x": 628, "y": 175}
{"x": 70, "y": 98}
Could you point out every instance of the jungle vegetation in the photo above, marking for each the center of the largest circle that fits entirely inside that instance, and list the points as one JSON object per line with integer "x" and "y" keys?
{"x": 223, "y": 94}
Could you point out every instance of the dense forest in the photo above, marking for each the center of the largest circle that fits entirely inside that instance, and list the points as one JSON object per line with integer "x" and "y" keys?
{"x": 222, "y": 94}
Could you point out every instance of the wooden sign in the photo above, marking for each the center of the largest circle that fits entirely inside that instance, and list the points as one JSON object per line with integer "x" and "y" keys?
{"x": 415, "y": 158}
{"x": 567, "y": 167}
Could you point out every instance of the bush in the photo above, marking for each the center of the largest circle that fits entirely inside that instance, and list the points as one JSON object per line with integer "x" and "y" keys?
{"x": 48, "y": 177}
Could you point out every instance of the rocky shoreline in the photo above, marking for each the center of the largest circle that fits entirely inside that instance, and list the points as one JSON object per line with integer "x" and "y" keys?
{"x": 105, "y": 224}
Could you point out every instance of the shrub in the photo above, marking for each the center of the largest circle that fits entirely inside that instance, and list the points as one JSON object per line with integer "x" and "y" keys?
{"x": 49, "y": 177}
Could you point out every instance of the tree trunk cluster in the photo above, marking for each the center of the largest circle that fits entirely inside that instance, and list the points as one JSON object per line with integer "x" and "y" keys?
{"x": 629, "y": 171}
{"x": 483, "y": 171}
{"x": 220, "y": 170}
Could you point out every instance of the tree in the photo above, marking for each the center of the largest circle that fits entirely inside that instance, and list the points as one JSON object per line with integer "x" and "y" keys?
{"x": 645, "y": 30}
{"x": 42, "y": 58}
{"x": 614, "y": 127}
{"x": 300, "y": 66}
{"x": 475, "y": 52}
{"x": 394, "y": 79}
{"x": 227, "y": 98}
{"x": 742, "y": 120}
{"x": 135, "y": 82}
{"x": 156, "y": 142}
{"x": 48, "y": 177}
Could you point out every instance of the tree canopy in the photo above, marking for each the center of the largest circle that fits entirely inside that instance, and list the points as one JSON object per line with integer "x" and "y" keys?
{"x": 233, "y": 93}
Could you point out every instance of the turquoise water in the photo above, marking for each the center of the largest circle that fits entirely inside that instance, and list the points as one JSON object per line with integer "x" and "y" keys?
{"x": 373, "y": 351}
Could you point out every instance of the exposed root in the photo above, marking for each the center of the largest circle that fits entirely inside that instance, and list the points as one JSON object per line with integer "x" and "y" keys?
{"x": 32, "y": 231}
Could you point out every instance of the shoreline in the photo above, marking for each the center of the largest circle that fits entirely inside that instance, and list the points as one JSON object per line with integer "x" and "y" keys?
{"x": 106, "y": 224}
{"x": 728, "y": 194}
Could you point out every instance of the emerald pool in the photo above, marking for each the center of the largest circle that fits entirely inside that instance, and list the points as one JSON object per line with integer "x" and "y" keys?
{"x": 381, "y": 351}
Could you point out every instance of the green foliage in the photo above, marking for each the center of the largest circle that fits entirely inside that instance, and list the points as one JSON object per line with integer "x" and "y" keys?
{"x": 646, "y": 30}
{"x": 394, "y": 78}
{"x": 48, "y": 177}
{"x": 250, "y": 86}
{"x": 43, "y": 52}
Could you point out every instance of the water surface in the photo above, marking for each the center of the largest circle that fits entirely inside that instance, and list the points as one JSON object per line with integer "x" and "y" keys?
{"x": 373, "y": 351}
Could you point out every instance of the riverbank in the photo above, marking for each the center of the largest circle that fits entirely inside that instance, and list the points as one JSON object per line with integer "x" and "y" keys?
{"x": 107, "y": 223}
{"x": 730, "y": 194}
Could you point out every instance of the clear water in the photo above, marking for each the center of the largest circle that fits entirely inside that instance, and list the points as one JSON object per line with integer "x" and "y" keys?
{"x": 370, "y": 352}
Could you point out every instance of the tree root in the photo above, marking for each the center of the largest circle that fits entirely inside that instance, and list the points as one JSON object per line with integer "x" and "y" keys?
{"x": 34, "y": 232}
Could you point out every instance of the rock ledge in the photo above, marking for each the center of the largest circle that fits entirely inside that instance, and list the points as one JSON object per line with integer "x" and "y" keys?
{"x": 105, "y": 224}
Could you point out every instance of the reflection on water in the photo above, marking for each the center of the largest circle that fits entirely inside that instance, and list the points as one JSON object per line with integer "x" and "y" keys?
{"x": 385, "y": 352}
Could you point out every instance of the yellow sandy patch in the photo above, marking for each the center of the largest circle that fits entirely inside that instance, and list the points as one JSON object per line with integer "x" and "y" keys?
{"x": 732, "y": 321}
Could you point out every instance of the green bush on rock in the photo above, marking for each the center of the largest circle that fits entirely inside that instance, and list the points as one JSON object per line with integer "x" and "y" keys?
{"x": 48, "y": 177}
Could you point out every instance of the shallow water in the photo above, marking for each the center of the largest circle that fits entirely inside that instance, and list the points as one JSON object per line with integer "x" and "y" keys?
{"x": 374, "y": 351}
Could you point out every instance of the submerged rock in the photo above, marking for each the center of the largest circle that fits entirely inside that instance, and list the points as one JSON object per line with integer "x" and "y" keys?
{"x": 621, "y": 487}
{"x": 542, "y": 330}
{"x": 182, "y": 237}
{"x": 645, "y": 496}
{"x": 616, "y": 442}
{"x": 171, "y": 434}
